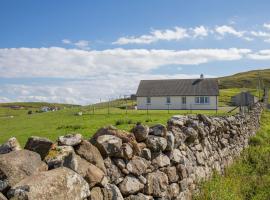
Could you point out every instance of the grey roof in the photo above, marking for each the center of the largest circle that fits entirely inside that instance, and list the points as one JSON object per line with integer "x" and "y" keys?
{"x": 178, "y": 87}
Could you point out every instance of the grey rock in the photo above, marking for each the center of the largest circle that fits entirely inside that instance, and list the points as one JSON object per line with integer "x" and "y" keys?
{"x": 139, "y": 196}
{"x": 176, "y": 156}
{"x": 96, "y": 194}
{"x": 11, "y": 145}
{"x": 2, "y": 197}
{"x": 161, "y": 160}
{"x": 130, "y": 185}
{"x": 109, "y": 145}
{"x": 137, "y": 165}
{"x": 157, "y": 183}
{"x": 126, "y": 151}
{"x": 172, "y": 173}
{"x": 170, "y": 141}
{"x": 156, "y": 143}
{"x": 39, "y": 145}
{"x": 140, "y": 132}
{"x": 17, "y": 165}
{"x": 113, "y": 172}
{"x": 112, "y": 192}
{"x": 146, "y": 153}
{"x": 158, "y": 130}
{"x": 173, "y": 190}
{"x": 70, "y": 139}
{"x": 60, "y": 183}
{"x": 90, "y": 153}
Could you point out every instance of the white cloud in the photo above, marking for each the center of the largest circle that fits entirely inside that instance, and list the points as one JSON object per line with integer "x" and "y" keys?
{"x": 66, "y": 41}
{"x": 224, "y": 30}
{"x": 177, "y": 33}
{"x": 200, "y": 31}
{"x": 261, "y": 55}
{"x": 266, "y": 25}
{"x": 80, "y": 44}
{"x": 74, "y": 63}
{"x": 82, "y": 91}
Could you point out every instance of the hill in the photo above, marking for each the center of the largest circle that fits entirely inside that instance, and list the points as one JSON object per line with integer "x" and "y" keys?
{"x": 247, "y": 79}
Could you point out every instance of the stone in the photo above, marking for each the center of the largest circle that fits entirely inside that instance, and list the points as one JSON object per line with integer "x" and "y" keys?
{"x": 11, "y": 145}
{"x": 70, "y": 139}
{"x": 113, "y": 172}
{"x": 182, "y": 171}
{"x": 130, "y": 185}
{"x": 161, "y": 160}
{"x": 157, "y": 183}
{"x": 173, "y": 190}
{"x": 191, "y": 134}
{"x": 120, "y": 163}
{"x": 90, "y": 153}
{"x": 109, "y": 145}
{"x": 92, "y": 174}
{"x": 139, "y": 196}
{"x": 170, "y": 141}
{"x": 156, "y": 143}
{"x": 61, "y": 156}
{"x": 2, "y": 197}
{"x": 17, "y": 165}
{"x": 140, "y": 132}
{"x": 172, "y": 174}
{"x": 111, "y": 192}
{"x": 142, "y": 179}
{"x": 206, "y": 120}
{"x": 127, "y": 151}
{"x": 60, "y": 183}
{"x": 96, "y": 194}
{"x": 39, "y": 145}
{"x": 199, "y": 158}
{"x": 158, "y": 130}
{"x": 175, "y": 156}
{"x": 137, "y": 165}
{"x": 146, "y": 153}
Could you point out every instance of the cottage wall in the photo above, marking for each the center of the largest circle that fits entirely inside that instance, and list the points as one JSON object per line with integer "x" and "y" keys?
{"x": 159, "y": 103}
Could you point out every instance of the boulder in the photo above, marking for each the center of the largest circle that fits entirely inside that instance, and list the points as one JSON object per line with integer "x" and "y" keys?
{"x": 111, "y": 191}
{"x": 60, "y": 183}
{"x": 146, "y": 153}
{"x": 96, "y": 194}
{"x": 17, "y": 165}
{"x": 92, "y": 174}
{"x": 173, "y": 190}
{"x": 11, "y": 145}
{"x": 109, "y": 145}
{"x": 130, "y": 185}
{"x": 126, "y": 151}
{"x": 191, "y": 134}
{"x": 90, "y": 153}
{"x": 39, "y": 145}
{"x": 140, "y": 132}
{"x": 137, "y": 165}
{"x": 170, "y": 141}
{"x": 176, "y": 156}
{"x": 160, "y": 160}
{"x": 158, "y": 130}
{"x": 157, "y": 183}
{"x": 172, "y": 174}
{"x": 113, "y": 172}
{"x": 61, "y": 156}
{"x": 70, "y": 139}
{"x": 156, "y": 143}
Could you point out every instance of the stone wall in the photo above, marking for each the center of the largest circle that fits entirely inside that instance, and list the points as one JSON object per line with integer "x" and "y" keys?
{"x": 159, "y": 162}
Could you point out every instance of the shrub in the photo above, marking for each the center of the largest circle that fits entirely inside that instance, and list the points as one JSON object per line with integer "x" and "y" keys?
{"x": 30, "y": 112}
{"x": 119, "y": 122}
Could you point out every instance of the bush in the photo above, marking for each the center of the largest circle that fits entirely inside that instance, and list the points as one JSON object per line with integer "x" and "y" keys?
{"x": 30, "y": 112}
{"x": 71, "y": 127}
{"x": 119, "y": 122}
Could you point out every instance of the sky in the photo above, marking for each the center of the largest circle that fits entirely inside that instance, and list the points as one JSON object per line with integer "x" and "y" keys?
{"x": 79, "y": 52}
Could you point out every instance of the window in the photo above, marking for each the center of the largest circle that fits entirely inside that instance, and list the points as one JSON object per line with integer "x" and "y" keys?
{"x": 148, "y": 100}
{"x": 184, "y": 100}
{"x": 168, "y": 100}
{"x": 202, "y": 100}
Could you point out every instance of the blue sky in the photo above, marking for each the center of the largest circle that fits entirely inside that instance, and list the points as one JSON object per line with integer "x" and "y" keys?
{"x": 81, "y": 51}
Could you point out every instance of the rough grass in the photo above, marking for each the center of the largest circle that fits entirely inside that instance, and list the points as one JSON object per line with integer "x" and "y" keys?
{"x": 249, "y": 177}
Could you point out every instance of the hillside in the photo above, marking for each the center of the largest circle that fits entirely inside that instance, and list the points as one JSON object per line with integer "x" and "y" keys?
{"x": 247, "y": 79}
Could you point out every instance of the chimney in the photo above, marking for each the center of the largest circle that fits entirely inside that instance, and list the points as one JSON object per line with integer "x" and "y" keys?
{"x": 201, "y": 76}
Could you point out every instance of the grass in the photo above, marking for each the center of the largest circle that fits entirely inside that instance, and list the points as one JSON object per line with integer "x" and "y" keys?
{"x": 249, "y": 177}
{"x": 53, "y": 124}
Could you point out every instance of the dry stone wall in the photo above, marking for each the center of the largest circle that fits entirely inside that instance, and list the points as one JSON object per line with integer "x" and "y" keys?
{"x": 158, "y": 162}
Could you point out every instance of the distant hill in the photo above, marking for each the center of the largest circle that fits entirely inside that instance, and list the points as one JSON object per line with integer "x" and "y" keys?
{"x": 30, "y": 105}
{"x": 247, "y": 79}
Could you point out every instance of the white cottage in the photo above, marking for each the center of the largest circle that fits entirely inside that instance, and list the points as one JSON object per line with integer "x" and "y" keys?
{"x": 178, "y": 94}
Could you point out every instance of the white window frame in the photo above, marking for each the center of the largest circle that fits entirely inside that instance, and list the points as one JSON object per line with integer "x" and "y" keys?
{"x": 168, "y": 100}
{"x": 202, "y": 100}
{"x": 148, "y": 100}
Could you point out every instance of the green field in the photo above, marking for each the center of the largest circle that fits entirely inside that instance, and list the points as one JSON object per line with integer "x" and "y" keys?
{"x": 249, "y": 177}
{"x": 16, "y": 122}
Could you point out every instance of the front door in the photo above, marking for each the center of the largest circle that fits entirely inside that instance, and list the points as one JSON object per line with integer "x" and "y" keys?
{"x": 183, "y": 103}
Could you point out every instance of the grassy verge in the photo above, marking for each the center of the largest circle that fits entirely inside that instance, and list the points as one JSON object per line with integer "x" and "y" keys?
{"x": 249, "y": 177}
